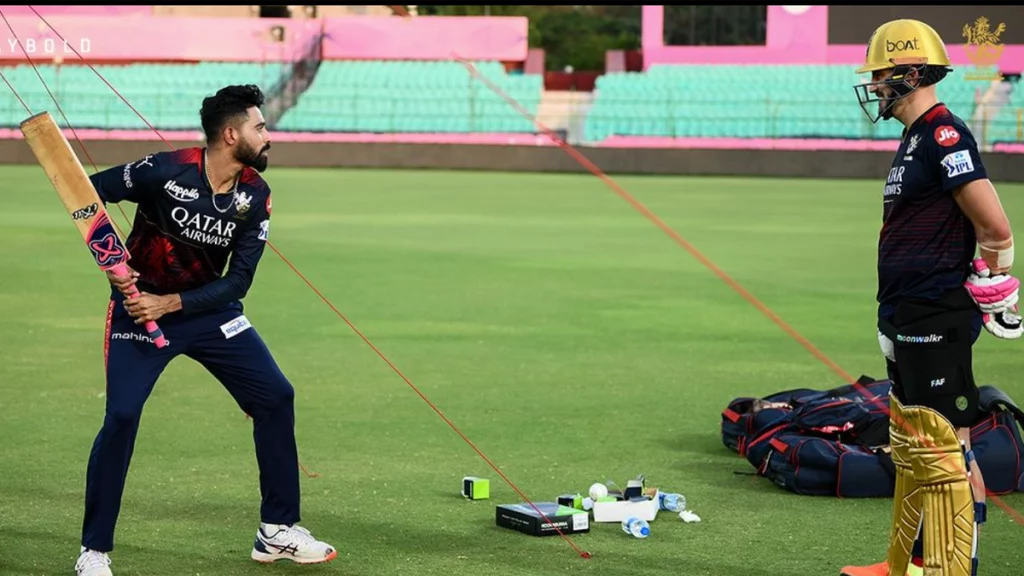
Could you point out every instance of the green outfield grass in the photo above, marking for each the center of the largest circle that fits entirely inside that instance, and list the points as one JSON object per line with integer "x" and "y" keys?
{"x": 571, "y": 339}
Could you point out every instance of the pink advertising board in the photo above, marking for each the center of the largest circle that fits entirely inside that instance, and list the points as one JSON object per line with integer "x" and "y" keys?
{"x": 427, "y": 38}
{"x": 48, "y": 11}
{"x": 135, "y": 38}
{"x": 795, "y": 35}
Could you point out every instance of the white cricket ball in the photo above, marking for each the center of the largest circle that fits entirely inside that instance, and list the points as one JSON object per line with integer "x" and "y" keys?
{"x": 598, "y": 491}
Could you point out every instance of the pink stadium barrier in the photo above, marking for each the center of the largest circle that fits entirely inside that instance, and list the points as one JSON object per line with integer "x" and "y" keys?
{"x": 427, "y": 38}
{"x": 510, "y": 139}
{"x": 141, "y": 38}
{"x": 809, "y": 144}
{"x": 1009, "y": 148}
{"x": 48, "y": 11}
{"x": 514, "y": 139}
{"x": 499, "y": 139}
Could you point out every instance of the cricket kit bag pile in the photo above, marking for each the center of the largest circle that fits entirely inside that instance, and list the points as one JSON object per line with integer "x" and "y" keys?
{"x": 835, "y": 442}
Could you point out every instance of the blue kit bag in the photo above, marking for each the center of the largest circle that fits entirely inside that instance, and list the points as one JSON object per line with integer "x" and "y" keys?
{"x": 835, "y": 442}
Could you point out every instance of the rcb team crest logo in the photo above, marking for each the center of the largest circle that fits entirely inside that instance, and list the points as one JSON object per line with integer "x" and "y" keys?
{"x": 984, "y": 48}
{"x": 243, "y": 202}
{"x": 914, "y": 141}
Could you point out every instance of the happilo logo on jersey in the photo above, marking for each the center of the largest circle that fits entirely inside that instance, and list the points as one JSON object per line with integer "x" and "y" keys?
{"x": 180, "y": 193}
{"x": 203, "y": 228}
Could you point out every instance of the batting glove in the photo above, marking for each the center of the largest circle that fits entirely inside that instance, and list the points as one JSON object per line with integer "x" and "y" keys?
{"x": 992, "y": 293}
{"x": 1006, "y": 324}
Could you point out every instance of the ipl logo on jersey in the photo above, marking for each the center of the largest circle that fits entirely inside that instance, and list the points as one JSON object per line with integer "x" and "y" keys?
{"x": 958, "y": 163}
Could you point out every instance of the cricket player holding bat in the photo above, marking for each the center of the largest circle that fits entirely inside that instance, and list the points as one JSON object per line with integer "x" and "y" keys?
{"x": 198, "y": 210}
{"x": 938, "y": 208}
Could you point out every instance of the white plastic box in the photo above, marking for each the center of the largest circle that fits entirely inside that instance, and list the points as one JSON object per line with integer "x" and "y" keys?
{"x": 619, "y": 511}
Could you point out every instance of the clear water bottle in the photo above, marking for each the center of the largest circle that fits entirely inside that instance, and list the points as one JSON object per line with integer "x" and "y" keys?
{"x": 671, "y": 502}
{"x": 638, "y": 527}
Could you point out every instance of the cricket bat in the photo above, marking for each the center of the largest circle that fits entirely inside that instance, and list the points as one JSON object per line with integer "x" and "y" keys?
{"x": 75, "y": 189}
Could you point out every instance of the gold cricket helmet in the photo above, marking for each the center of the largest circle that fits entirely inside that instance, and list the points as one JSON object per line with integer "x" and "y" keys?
{"x": 904, "y": 42}
{"x": 901, "y": 46}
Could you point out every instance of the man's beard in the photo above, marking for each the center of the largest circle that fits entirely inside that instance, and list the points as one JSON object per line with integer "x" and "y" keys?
{"x": 885, "y": 106}
{"x": 252, "y": 158}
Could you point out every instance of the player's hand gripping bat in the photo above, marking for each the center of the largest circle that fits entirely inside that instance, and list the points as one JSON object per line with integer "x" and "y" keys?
{"x": 83, "y": 204}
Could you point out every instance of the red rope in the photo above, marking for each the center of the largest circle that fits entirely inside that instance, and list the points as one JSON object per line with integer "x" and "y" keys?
{"x": 332, "y": 306}
{"x": 736, "y": 286}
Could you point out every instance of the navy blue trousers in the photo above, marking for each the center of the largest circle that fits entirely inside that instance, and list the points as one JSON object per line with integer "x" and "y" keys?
{"x": 233, "y": 352}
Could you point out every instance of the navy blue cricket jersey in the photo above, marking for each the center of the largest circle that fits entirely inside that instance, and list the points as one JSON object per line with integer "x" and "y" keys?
{"x": 927, "y": 243}
{"x": 183, "y": 236}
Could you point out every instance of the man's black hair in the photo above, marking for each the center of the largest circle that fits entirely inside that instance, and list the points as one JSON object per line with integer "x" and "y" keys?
{"x": 229, "y": 104}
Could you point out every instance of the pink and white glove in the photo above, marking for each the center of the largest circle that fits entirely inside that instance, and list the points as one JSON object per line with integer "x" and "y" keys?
{"x": 996, "y": 297}
{"x": 992, "y": 293}
{"x": 1006, "y": 324}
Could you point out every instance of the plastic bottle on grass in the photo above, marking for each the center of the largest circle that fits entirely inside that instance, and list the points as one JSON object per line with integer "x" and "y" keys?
{"x": 671, "y": 502}
{"x": 638, "y": 527}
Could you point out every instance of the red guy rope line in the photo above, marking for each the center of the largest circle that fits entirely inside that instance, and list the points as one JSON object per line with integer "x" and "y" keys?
{"x": 82, "y": 144}
{"x": 340, "y": 315}
{"x": 753, "y": 300}
{"x": 61, "y": 110}
{"x": 15, "y": 92}
{"x": 431, "y": 404}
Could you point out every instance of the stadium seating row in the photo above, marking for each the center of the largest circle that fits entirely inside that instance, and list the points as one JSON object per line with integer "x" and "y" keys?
{"x": 796, "y": 101}
{"x": 412, "y": 96}
{"x": 373, "y": 96}
{"x": 168, "y": 95}
{"x": 420, "y": 96}
{"x": 1006, "y": 125}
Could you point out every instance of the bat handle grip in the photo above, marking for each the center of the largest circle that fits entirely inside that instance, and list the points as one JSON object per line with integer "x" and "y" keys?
{"x": 155, "y": 333}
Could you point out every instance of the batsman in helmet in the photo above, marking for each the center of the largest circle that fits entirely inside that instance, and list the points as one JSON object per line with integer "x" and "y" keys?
{"x": 935, "y": 297}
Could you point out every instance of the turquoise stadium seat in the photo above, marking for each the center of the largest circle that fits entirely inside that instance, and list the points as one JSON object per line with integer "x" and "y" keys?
{"x": 439, "y": 96}
{"x": 781, "y": 101}
{"x": 167, "y": 95}
{"x": 345, "y": 96}
{"x": 1007, "y": 125}
{"x": 412, "y": 96}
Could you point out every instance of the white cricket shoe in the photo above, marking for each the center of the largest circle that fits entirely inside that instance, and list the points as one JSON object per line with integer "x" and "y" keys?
{"x": 93, "y": 563}
{"x": 281, "y": 542}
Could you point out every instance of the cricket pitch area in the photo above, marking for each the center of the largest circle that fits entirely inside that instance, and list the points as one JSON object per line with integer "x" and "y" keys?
{"x": 567, "y": 336}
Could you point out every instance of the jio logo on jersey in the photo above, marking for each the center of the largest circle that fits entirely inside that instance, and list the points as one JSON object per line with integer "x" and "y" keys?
{"x": 946, "y": 135}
